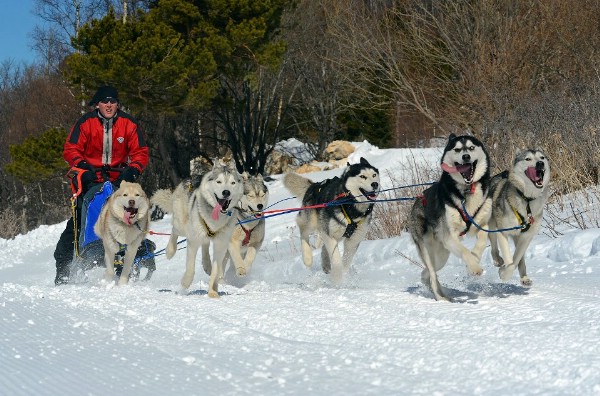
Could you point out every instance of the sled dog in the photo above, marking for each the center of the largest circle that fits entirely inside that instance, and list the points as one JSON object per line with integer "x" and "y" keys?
{"x": 348, "y": 217}
{"x": 203, "y": 214}
{"x": 249, "y": 233}
{"x": 122, "y": 225}
{"x": 443, "y": 214}
{"x": 518, "y": 199}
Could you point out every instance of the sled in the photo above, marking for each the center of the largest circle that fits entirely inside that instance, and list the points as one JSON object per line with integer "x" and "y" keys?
{"x": 89, "y": 252}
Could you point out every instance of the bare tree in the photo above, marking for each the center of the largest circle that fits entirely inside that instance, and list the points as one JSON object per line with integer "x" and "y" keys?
{"x": 63, "y": 18}
{"x": 381, "y": 50}
{"x": 253, "y": 120}
{"x": 311, "y": 51}
{"x": 464, "y": 65}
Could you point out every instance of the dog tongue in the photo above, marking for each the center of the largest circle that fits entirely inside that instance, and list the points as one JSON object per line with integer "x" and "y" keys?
{"x": 447, "y": 168}
{"x": 216, "y": 211}
{"x": 460, "y": 168}
{"x": 463, "y": 168}
{"x": 532, "y": 174}
{"x": 127, "y": 217}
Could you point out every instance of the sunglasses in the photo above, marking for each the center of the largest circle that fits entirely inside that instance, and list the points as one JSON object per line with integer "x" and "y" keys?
{"x": 109, "y": 100}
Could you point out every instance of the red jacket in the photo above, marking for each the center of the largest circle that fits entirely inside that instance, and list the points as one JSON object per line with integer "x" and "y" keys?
{"x": 91, "y": 141}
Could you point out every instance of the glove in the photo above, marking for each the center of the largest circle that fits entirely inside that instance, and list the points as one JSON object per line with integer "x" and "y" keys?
{"x": 88, "y": 177}
{"x": 129, "y": 174}
{"x": 85, "y": 166}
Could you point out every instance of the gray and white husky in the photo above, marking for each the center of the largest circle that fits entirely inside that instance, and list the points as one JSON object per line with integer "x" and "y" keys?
{"x": 346, "y": 218}
{"x": 249, "y": 233}
{"x": 445, "y": 213}
{"x": 203, "y": 214}
{"x": 518, "y": 200}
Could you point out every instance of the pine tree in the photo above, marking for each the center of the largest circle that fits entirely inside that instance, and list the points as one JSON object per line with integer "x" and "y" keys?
{"x": 38, "y": 158}
{"x": 185, "y": 57}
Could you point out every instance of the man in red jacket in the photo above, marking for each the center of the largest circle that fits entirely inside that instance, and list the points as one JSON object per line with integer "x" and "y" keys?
{"x": 108, "y": 144}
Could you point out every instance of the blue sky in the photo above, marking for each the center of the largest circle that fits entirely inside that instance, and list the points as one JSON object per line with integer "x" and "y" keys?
{"x": 16, "y": 23}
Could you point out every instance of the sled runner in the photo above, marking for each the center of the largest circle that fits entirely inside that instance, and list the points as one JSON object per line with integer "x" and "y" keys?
{"x": 89, "y": 251}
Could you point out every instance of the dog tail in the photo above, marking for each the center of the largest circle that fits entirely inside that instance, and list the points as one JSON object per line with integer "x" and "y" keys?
{"x": 164, "y": 200}
{"x": 297, "y": 184}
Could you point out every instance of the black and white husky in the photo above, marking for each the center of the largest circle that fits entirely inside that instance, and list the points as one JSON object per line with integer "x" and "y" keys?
{"x": 447, "y": 210}
{"x": 518, "y": 197}
{"x": 347, "y": 217}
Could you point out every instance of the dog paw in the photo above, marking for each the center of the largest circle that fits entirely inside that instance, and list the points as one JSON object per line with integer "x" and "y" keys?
{"x": 525, "y": 281}
{"x": 475, "y": 269}
{"x": 505, "y": 272}
{"x": 186, "y": 281}
{"x": 213, "y": 294}
{"x": 182, "y": 291}
{"x": 240, "y": 271}
{"x": 109, "y": 277}
{"x": 442, "y": 298}
{"x": 473, "y": 266}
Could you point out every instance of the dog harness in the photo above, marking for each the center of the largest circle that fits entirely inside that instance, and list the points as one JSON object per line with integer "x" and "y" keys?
{"x": 465, "y": 218}
{"x": 525, "y": 225}
{"x": 120, "y": 255}
{"x": 210, "y": 233}
{"x": 462, "y": 213}
{"x": 248, "y": 233}
{"x": 353, "y": 225}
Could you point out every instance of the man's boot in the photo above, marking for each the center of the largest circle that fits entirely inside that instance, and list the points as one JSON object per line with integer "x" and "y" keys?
{"x": 62, "y": 273}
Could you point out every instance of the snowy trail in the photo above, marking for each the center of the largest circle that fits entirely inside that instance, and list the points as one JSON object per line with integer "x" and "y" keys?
{"x": 293, "y": 339}
{"x": 286, "y": 330}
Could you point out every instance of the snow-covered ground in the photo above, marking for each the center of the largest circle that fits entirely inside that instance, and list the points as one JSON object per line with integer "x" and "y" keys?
{"x": 287, "y": 330}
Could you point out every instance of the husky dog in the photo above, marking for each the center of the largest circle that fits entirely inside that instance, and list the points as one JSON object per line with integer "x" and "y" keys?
{"x": 518, "y": 199}
{"x": 249, "y": 233}
{"x": 202, "y": 214}
{"x": 347, "y": 219}
{"x": 122, "y": 224}
{"x": 446, "y": 211}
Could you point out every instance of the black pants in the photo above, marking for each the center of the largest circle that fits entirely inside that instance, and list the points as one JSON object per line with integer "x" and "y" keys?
{"x": 65, "y": 248}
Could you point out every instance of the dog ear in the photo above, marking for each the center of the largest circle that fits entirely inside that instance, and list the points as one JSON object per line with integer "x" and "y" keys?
{"x": 451, "y": 136}
{"x": 364, "y": 162}
{"x": 245, "y": 176}
{"x": 231, "y": 167}
{"x": 521, "y": 154}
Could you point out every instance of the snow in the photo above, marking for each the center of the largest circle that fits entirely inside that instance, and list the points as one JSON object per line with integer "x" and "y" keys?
{"x": 288, "y": 330}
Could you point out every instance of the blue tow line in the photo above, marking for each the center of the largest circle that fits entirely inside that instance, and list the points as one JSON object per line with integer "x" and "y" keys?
{"x": 520, "y": 227}
{"x": 338, "y": 202}
{"x": 333, "y": 203}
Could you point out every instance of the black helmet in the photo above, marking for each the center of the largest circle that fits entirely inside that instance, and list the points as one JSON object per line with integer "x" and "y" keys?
{"x": 103, "y": 93}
